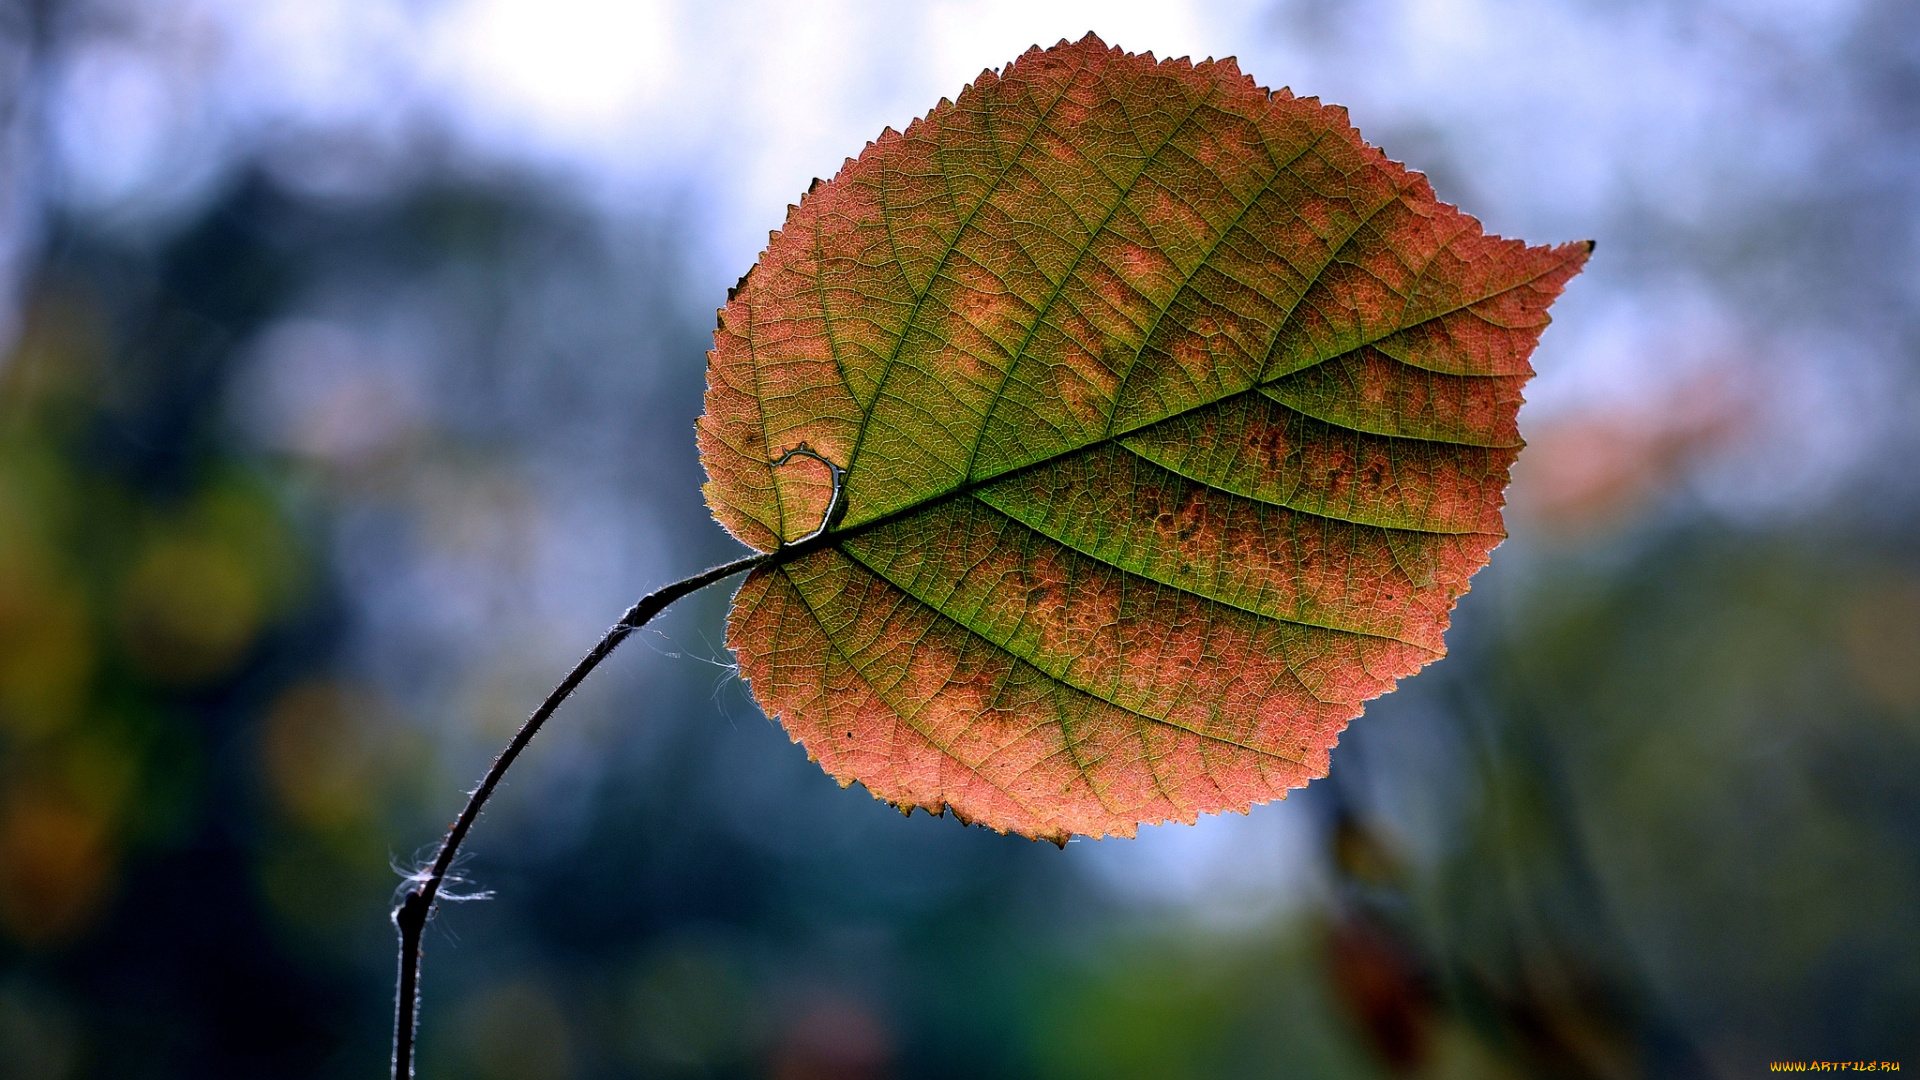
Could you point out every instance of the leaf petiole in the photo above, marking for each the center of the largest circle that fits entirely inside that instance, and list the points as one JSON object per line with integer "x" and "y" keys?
{"x": 836, "y": 506}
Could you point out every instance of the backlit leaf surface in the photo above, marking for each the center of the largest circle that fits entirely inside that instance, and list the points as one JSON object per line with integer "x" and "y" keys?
{"x": 1174, "y": 418}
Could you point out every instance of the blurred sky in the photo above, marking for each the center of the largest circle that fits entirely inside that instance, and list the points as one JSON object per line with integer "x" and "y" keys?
{"x": 1548, "y": 121}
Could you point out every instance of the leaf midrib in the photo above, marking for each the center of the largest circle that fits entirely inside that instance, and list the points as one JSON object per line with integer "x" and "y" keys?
{"x": 968, "y": 486}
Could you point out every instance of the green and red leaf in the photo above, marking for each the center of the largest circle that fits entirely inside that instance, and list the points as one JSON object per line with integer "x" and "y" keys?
{"x": 1174, "y": 420}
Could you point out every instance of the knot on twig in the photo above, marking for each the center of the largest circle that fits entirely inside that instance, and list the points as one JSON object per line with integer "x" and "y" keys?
{"x": 411, "y": 914}
{"x": 423, "y": 889}
{"x": 836, "y": 506}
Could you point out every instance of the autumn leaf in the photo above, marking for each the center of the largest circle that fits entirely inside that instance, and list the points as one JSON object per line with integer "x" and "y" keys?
{"x": 1173, "y": 419}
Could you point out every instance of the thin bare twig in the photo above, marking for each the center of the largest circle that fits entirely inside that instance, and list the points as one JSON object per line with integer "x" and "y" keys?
{"x": 416, "y": 908}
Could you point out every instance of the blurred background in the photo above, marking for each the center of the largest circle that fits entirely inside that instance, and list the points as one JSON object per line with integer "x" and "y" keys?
{"x": 349, "y": 357}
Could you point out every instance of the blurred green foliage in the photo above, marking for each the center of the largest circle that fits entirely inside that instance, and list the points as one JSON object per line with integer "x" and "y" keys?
{"x": 1698, "y": 771}
{"x": 122, "y": 601}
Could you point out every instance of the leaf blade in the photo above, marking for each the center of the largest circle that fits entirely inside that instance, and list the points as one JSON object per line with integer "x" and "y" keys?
{"x": 1175, "y": 419}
